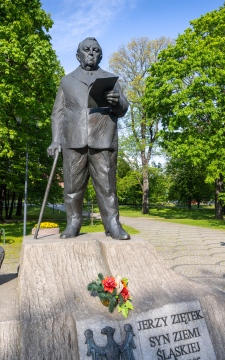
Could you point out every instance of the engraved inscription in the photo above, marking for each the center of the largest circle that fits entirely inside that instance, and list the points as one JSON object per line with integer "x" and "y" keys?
{"x": 186, "y": 317}
{"x": 175, "y": 332}
{"x": 152, "y": 323}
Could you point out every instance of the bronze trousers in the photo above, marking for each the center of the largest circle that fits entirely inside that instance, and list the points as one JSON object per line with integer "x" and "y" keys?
{"x": 78, "y": 166}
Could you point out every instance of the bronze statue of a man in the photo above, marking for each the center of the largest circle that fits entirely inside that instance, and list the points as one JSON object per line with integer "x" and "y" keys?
{"x": 89, "y": 141}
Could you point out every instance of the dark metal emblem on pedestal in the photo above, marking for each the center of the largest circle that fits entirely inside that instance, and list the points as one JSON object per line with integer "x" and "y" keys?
{"x": 112, "y": 351}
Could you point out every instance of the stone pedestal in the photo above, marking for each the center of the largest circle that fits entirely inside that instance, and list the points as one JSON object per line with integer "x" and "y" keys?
{"x": 56, "y": 308}
{"x": 46, "y": 231}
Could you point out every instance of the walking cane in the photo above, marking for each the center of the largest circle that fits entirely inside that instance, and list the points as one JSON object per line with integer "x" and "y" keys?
{"x": 58, "y": 150}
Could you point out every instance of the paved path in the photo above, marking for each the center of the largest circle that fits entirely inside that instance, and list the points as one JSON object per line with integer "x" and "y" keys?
{"x": 196, "y": 252}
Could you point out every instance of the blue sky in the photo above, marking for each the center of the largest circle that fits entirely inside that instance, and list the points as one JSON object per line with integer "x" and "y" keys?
{"x": 116, "y": 22}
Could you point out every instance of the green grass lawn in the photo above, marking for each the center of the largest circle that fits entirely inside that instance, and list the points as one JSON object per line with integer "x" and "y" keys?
{"x": 169, "y": 212}
{"x": 206, "y": 223}
{"x": 204, "y": 217}
{"x": 33, "y": 212}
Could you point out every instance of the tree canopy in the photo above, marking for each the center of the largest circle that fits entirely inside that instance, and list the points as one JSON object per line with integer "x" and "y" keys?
{"x": 29, "y": 78}
{"x": 187, "y": 182}
{"x": 130, "y": 63}
{"x": 185, "y": 88}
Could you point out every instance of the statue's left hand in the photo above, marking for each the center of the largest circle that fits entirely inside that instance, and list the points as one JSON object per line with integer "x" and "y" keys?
{"x": 112, "y": 97}
{"x": 52, "y": 149}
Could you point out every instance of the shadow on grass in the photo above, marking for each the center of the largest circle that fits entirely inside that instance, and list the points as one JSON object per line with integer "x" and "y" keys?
{"x": 205, "y": 223}
{"x": 33, "y": 212}
{"x": 211, "y": 223}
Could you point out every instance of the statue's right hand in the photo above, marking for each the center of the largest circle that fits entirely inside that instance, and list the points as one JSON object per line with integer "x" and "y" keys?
{"x": 52, "y": 149}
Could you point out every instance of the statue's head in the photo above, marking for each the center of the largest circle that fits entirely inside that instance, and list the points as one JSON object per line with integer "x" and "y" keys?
{"x": 89, "y": 53}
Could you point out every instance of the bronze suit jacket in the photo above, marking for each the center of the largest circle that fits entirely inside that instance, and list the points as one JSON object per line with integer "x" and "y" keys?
{"x": 76, "y": 126}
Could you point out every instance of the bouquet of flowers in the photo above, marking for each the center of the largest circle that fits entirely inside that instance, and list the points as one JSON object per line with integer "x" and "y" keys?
{"x": 112, "y": 291}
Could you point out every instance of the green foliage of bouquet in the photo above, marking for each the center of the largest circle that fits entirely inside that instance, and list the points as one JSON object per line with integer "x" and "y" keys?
{"x": 112, "y": 291}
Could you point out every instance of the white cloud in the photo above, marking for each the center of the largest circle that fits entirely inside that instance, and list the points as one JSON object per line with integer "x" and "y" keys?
{"x": 88, "y": 18}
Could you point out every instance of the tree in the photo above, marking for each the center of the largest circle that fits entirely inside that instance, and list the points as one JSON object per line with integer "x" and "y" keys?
{"x": 30, "y": 75}
{"x": 130, "y": 63}
{"x": 188, "y": 182}
{"x": 186, "y": 90}
{"x": 158, "y": 185}
{"x": 128, "y": 188}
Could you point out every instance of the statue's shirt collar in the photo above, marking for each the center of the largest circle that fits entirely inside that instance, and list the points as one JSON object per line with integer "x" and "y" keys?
{"x": 86, "y": 77}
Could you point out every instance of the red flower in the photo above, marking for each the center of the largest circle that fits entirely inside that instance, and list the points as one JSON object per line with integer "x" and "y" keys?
{"x": 109, "y": 284}
{"x": 125, "y": 294}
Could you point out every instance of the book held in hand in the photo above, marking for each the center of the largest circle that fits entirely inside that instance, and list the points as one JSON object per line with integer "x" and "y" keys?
{"x": 96, "y": 96}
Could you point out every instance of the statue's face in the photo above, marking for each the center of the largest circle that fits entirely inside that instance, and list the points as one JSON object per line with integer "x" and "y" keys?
{"x": 89, "y": 55}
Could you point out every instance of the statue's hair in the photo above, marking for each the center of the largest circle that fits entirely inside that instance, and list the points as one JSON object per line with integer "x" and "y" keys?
{"x": 89, "y": 38}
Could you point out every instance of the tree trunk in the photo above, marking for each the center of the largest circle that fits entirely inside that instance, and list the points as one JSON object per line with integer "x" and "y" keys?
{"x": 218, "y": 202}
{"x": 19, "y": 206}
{"x": 145, "y": 193}
{"x": 6, "y": 209}
{"x": 1, "y": 202}
{"x": 189, "y": 202}
{"x": 11, "y": 206}
{"x": 199, "y": 204}
{"x": 6, "y": 201}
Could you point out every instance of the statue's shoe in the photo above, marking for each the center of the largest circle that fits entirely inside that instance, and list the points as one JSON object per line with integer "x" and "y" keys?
{"x": 70, "y": 232}
{"x": 118, "y": 233}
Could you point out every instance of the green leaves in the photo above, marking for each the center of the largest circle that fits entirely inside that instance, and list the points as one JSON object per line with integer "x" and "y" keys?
{"x": 100, "y": 276}
{"x": 130, "y": 63}
{"x": 186, "y": 90}
{"x": 28, "y": 65}
{"x": 125, "y": 307}
{"x": 29, "y": 77}
{"x": 112, "y": 301}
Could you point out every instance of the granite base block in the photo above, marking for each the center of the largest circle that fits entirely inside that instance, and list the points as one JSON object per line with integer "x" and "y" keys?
{"x": 47, "y": 231}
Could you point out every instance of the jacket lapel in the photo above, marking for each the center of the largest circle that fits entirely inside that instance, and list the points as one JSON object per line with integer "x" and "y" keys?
{"x": 78, "y": 74}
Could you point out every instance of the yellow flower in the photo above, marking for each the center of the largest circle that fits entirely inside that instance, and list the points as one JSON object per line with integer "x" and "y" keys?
{"x": 47, "y": 225}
